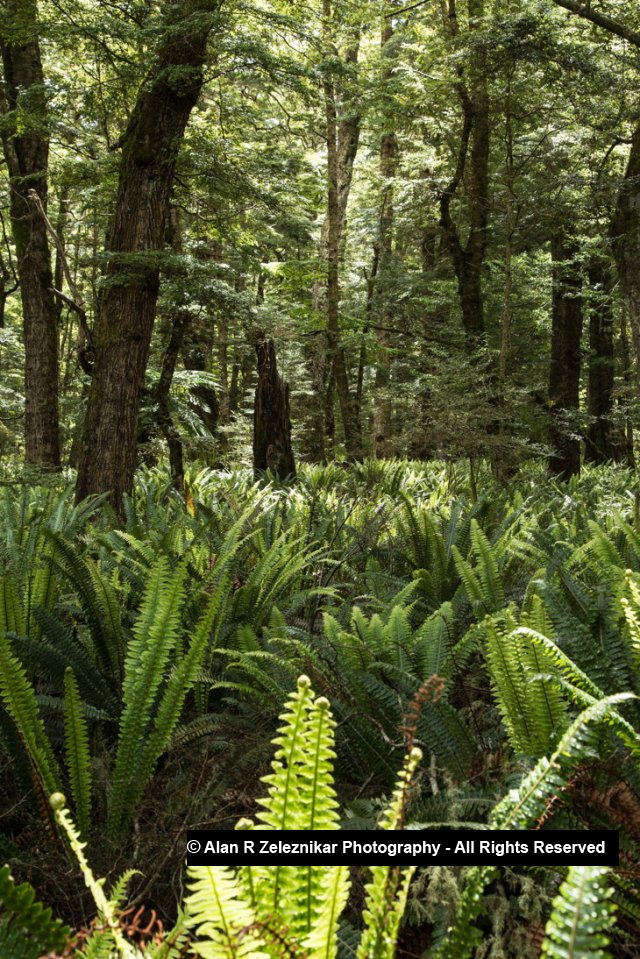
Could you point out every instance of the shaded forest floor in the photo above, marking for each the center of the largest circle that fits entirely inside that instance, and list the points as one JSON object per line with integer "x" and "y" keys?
{"x": 144, "y": 666}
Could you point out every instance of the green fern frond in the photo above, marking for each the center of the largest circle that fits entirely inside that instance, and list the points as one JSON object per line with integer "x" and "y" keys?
{"x": 225, "y": 923}
{"x": 12, "y": 618}
{"x": 77, "y": 751}
{"x": 106, "y": 907}
{"x": 581, "y": 915}
{"x": 19, "y": 698}
{"x": 388, "y": 887}
{"x": 27, "y": 929}
{"x": 179, "y": 684}
{"x": 155, "y": 635}
{"x": 99, "y": 603}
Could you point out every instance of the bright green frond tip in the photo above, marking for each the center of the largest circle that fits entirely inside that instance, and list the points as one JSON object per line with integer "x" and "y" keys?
{"x": 581, "y": 916}
{"x": 276, "y": 911}
{"x": 301, "y": 793}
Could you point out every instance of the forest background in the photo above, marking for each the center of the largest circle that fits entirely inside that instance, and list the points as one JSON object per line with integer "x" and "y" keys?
{"x": 432, "y": 212}
{"x": 319, "y": 372}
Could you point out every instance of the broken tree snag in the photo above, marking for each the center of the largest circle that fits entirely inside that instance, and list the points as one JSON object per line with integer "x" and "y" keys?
{"x": 271, "y": 419}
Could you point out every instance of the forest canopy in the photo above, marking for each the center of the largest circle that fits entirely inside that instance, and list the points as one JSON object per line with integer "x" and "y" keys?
{"x": 430, "y": 208}
{"x": 319, "y": 404}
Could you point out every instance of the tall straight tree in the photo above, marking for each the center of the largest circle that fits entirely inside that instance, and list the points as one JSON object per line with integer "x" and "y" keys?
{"x": 472, "y": 169}
{"x": 347, "y": 137}
{"x": 601, "y": 444}
{"x": 564, "y": 372}
{"x": 127, "y": 304}
{"x": 625, "y": 234}
{"x": 388, "y": 164}
{"x": 625, "y": 224}
{"x": 339, "y": 168}
{"x": 25, "y": 140}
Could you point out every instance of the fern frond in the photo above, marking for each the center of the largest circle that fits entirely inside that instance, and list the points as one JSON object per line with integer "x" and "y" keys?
{"x": 155, "y": 635}
{"x": 388, "y": 887}
{"x": 106, "y": 907}
{"x": 19, "y": 698}
{"x": 581, "y": 915}
{"x": 27, "y": 929}
{"x": 225, "y": 923}
{"x": 77, "y": 751}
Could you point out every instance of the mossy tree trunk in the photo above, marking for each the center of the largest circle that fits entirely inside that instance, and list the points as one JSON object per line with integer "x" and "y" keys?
{"x": 127, "y": 304}
{"x": 383, "y": 301}
{"x": 26, "y": 151}
{"x": 472, "y": 170}
{"x": 625, "y": 233}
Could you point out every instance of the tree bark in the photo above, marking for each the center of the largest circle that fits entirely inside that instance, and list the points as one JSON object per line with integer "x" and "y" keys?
{"x": 564, "y": 371}
{"x": 601, "y": 445}
{"x": 625, "y": 236}
{"x": 26, "y": 151}
{"x": 388, "y": 164}
{"x": 271, "y": 417}
{"x": 473, "y": 153}
{"x": 8, "y": 279}
{"x": 127, "y": 303}
{"x": 327, "y": 360}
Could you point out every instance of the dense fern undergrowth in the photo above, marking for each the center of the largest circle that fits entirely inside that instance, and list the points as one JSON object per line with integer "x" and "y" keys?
{"x": 144, "y": 666}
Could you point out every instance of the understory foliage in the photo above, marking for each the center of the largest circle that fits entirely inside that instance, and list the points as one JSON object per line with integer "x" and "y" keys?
{"x": 144, "y": 667}
{"x": 277, "y": 911}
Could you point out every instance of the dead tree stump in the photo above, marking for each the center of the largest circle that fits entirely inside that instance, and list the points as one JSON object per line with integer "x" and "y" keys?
{"x": 271, "y": 419}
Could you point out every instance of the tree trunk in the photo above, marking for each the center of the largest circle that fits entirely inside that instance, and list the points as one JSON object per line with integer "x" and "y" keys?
{"x": 473, "y": 153}
{"x": 127, "y": 302}
{"x": 8, "y": 279}
{"x": 625, "y": 235}
{"x": 600, "y": 443}
{"x": 271, "y": 418}
{"x": 26, "y": 152}
{"x": 564, "y": 372}
{"x": 327, "y": 359}
{"x": 626, "y": 399}
{"x": 388, "y": 164}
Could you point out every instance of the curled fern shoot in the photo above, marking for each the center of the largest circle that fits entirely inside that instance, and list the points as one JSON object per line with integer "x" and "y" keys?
{"x": 106, "y": 907}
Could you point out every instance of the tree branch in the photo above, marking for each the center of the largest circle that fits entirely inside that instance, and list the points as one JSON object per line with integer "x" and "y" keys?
{"x": 601, "y": 20}
{"x": 75, "y": 301}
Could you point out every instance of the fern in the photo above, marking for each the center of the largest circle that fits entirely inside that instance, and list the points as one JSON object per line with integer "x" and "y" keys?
{"x": 387, "y": 890}
{"x": 27, "y": 929}
{"x": 482, "y": 583}
{"x": 533, "y": 712}
{"x": 19, "y": 698}
{"x": 99, "y": 603}
{"x": 224, "y": 921}
{"x": 77, "y": 752}
{"x": 279, "y": 910}
{"x": 155, "y": 635}
{"x": 581, "y": 915}
{"x": 524, "y": 806}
